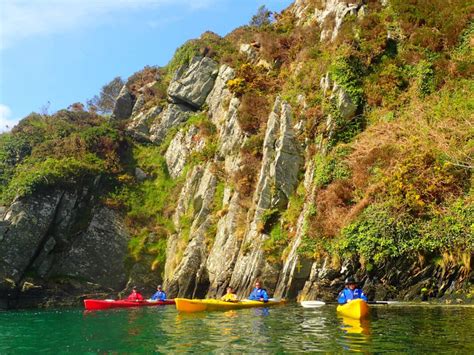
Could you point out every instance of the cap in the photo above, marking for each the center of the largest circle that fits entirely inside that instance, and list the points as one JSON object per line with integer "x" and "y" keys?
{"x": 351, "y": 280}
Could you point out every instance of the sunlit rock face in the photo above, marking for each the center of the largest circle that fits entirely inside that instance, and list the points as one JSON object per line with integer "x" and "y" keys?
{"x": 192, "y": 84}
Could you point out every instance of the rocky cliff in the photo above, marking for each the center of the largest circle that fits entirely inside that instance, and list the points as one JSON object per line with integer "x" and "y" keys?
{"x": 330, "y": 143}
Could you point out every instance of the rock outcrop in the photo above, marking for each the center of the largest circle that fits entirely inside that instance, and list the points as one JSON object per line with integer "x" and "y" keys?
{"x": 123, "y": 105}
{"x": 172, "y": 116}
{"x": 277, "y": 180}
{"x": 192, "y": 84}
{"x": 328, "y": 14}
{"x": 185, "y": 270}
{"x": 183, "y": 144}
{"x": 139, "y": 127}
{"x": 64, "y": 235}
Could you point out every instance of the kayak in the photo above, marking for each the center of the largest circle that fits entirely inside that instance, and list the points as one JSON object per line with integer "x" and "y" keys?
{"x": 107, "y": 304}
{"x": 356, "y": 309}
{"x": 312, "y": 304}
{"x": 188, "y": 305}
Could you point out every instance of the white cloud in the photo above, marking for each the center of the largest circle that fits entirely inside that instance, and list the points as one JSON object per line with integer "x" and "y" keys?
{"x": 6, "y": 122}
{"x": 22, "y": 19}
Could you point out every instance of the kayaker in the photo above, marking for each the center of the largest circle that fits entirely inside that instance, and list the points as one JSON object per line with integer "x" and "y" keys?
{"x": 350, "y": 292}
{"x": 159, "y": 295}
{"x": 258, "y": 293}
{"x": 135, "y": 296}
{"x": 230, "y": 296}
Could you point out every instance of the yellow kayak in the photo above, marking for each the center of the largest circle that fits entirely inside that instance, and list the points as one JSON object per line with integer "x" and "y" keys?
{"x": 188, "y": 305}
{"x": 356, "y": 309}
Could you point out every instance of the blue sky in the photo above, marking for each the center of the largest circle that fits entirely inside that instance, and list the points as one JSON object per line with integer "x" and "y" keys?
{"x": 63, "y": 51}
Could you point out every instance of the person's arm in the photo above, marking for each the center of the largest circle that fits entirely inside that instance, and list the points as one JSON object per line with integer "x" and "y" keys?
{"x": 363, "y": 296}
{"x": 139, "y": 297}
{"x": 163, "y": 296}
{"x": 264, "y": 296}
{"x": 253, "y": 296}
{"x": 154, "y": 297}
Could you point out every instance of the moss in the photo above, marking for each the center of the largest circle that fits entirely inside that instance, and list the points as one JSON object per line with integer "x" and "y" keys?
{"x": 275, "y": 243}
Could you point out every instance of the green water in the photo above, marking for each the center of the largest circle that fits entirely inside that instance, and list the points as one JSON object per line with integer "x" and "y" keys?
{"x": 286, "y": 329}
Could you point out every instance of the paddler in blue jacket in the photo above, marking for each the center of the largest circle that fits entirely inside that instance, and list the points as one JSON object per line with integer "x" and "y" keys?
{"x": 350, "y": 292}
{"x": 258, "y": 293}
{"x": 159, "y": 295}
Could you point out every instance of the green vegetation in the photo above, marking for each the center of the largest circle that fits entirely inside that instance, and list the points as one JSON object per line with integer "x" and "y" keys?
{"x": 61, "y": 149}
{"x": 147, "y": 205}
{"x": 394, "y": 181}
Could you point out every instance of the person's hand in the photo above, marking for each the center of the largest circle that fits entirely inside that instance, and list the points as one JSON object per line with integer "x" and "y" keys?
{"x": 261, "y": 299}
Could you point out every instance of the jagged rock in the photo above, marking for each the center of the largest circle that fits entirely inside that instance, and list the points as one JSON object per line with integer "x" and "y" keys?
{"x": 296, "y": 269}
{"x": 149, "y": 85}
{"x": 231, "y": 135}
{"x": 343, "y": 104}
{"x": 249, "y": 51}
{"x": 182, "y": 145}
{"x": 138, "y": 128}
{"x": 172, "y": 116}
{"x": 60, "y": 234}
{"x": 300, "y": 9}
{"x": 281, "y": 159}
{"x": 323, "y": 282}
{"x": 192, "y": 84}
{"x": 225, "y": 250}
{"x": 138, "y": 105}
{"x": 28, "y": 221}
{"x": 331, "y": 16}
{"x": 220, "y": 95}
{"x": 188, "y": 277}
{"x": 98, "y": 253}
{"x": 123, "y": 105}
{"x": 277, "y": 180}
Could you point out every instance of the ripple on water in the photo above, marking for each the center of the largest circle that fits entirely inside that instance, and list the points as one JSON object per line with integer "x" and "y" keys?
{"x": 287, "y": 329}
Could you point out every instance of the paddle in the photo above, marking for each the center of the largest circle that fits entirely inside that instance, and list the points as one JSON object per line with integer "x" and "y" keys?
{"x": 315, "y": 304}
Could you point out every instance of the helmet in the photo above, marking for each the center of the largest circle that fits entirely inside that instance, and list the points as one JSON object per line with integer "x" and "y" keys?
{"x": 350, "y": 280}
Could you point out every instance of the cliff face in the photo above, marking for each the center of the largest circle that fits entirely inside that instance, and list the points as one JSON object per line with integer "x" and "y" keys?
{"x": 306, "y": 157}
{"x": 59, "y": 235}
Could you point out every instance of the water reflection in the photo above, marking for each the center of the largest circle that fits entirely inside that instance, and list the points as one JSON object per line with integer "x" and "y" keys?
{"x": 355, "y": 334}
{"x": 356, "y": 326}
{"x": 289, "y": 329}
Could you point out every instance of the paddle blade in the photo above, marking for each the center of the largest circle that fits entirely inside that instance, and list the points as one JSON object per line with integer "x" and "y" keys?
{"x": 312, "y": 304}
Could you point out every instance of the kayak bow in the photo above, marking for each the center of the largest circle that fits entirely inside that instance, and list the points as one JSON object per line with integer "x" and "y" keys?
{"x": 356, "y": 309}
{"x": 188, "y": 305}
{"x": 93, "y": 305}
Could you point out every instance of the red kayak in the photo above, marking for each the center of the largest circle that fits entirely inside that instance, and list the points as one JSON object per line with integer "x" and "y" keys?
{"x": 93, "y": 305}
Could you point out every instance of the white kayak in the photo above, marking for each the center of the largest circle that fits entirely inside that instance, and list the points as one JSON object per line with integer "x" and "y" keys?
{"x": 312, "y": 304}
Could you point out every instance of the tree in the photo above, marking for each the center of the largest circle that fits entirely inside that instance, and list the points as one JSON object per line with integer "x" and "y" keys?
{"x": 263, "y": 17}
{"x": 104, "y": 102}
{"x": 76, "y": 107}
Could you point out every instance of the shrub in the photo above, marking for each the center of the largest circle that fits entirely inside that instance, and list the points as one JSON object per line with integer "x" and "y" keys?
{"x": 253, "y": 113}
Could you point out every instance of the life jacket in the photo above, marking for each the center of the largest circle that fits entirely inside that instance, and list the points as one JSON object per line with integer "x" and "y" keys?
{"x": 347, "y": 294}
{"x": 259, "y": 293}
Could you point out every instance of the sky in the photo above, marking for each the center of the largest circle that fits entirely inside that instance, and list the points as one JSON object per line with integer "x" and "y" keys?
{"x": 57, "y": 52}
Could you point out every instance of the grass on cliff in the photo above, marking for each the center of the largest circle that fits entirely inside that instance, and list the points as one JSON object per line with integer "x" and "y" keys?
{"x": 147, "y": 204}
{"x": 61, "y": 149}
{"x": 408, "y": 190}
